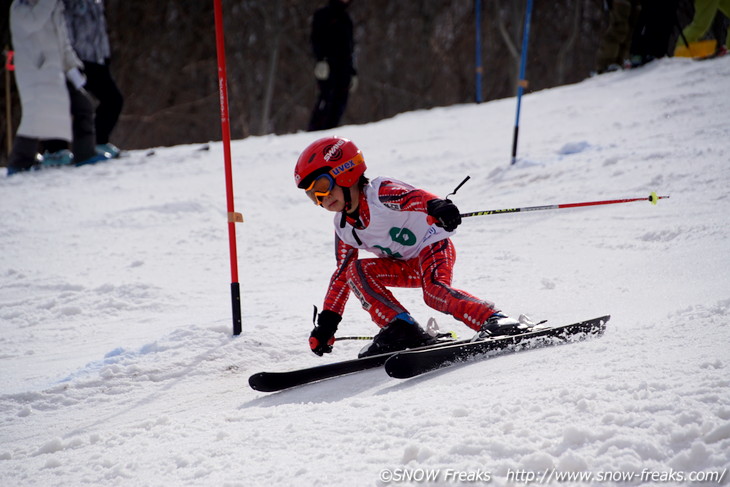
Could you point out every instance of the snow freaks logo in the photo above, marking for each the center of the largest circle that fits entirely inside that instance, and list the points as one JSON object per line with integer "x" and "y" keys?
{"x": 334, "y": 152}
{"x": 428, "y": 475}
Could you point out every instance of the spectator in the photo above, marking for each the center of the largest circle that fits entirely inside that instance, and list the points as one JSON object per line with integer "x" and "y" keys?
{"x": 88, "y": 35}
{"x": 43, "y": 60}
{"x": 333, "y": 45}
{"x": 656, "y": 24}
{"x": 614, "y": 47}
{"x": 705, "y": 11}
{"x": 83, "y": 143}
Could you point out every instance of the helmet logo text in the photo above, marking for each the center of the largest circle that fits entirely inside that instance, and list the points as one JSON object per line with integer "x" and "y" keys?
{"x": 334, "y": 153}
{"x": 342, "y": 168}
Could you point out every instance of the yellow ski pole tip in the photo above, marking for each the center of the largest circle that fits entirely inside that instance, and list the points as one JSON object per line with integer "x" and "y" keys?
{"x": 653, "y": 198}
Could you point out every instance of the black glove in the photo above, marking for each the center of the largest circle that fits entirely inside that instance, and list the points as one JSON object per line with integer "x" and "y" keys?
{"x": 323, "y": 335}
{"x": 445, "y": 213}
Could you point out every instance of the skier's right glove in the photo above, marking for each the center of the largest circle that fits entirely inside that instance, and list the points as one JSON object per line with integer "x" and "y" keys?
{"x": 323, "y": 335}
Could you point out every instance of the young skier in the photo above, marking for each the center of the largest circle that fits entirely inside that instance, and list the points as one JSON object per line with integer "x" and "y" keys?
{"x": 408, "y": 229}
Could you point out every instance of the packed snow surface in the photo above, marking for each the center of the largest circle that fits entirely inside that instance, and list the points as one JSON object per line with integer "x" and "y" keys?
{"x": 118, "y": 366}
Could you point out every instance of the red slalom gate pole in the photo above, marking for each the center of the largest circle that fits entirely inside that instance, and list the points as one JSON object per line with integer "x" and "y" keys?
{"x": 653, "y": 198}
{"x": 233, "y": 217}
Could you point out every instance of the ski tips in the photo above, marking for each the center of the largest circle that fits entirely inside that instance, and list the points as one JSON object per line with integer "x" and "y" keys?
{"x": 653, "y": 198}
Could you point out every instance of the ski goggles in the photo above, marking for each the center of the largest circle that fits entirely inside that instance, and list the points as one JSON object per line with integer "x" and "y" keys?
{"x": 320, "y": 188}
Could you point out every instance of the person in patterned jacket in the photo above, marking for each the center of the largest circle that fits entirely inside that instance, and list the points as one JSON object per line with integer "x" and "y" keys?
{"x": 88, "y": 34}
{"x": 407, "y": 228}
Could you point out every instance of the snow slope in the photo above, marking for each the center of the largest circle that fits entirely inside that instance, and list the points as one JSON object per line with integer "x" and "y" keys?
{"x": 118, "y": 366}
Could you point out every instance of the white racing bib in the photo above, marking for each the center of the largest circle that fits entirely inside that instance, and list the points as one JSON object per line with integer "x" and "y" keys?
{"x": 391, "y": 232}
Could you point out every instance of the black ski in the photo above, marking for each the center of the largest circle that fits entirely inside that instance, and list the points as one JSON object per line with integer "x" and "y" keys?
{"x": 410, "y": 363}
{"x": 277, "y": 381}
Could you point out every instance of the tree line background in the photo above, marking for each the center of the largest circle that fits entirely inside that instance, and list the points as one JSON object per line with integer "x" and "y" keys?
{"x": 410, "y": 54}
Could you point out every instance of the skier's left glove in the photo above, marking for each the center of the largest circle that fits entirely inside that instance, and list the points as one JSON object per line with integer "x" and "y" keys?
{"x": 445, "y": 214}
{"x": 323, "y": 335}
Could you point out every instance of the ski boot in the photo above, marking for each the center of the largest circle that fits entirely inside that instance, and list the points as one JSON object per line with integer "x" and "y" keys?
{"x": 399, "y": 334}
{"x": 501, "y": 325}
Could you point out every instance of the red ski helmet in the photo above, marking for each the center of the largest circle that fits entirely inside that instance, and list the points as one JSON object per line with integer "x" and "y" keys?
{"x": 334, "y": 155}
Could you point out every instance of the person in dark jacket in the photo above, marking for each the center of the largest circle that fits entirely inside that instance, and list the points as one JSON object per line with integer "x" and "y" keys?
{"x": 333, "y": 45}
{"x": 654, "y": 27}
{"x": 614, "y": 48}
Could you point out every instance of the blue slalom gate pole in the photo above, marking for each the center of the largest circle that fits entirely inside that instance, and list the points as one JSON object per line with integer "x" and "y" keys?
{"x": 522, "y": 83}
{"x": 479, "y": 70}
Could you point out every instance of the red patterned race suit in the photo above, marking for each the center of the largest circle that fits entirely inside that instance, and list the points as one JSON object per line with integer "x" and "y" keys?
{"x": 392, "y": 223}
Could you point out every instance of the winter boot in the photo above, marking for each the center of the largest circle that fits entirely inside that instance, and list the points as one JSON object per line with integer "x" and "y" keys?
{"x": 110, "y": 150}
{"x": 62, "y": 157}
{"x": 24, "y": 155}
{"x": 399, "y": 334}
{"x": 93, "y": 159}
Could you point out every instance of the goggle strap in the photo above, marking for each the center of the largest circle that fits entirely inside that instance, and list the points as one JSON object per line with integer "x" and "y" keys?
{"x": 348, "y": 205}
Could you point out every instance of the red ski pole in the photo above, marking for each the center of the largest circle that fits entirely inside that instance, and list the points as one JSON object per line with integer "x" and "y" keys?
{"x": 653, "y": 199}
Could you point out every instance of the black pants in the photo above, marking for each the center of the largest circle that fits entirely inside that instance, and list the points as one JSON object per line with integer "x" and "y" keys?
{"x": 83, "y": 144}
{"x": 333, "y": 93}
{"x": 22, "y": 157}
{"x": 654, "y": 27}
{"x": 99, "y": 82}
